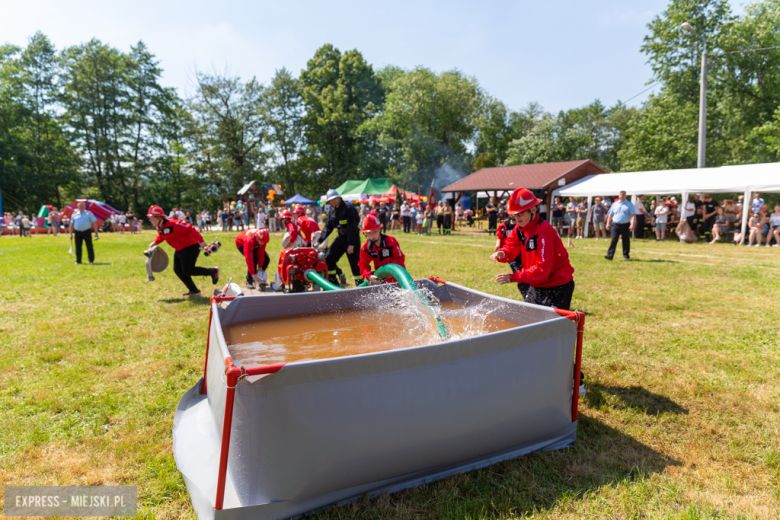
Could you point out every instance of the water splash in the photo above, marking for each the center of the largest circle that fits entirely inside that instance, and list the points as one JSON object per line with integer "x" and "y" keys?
{"x": 415, "y": 319}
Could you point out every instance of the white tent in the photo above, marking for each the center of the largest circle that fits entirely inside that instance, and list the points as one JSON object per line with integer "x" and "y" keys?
{"x": 745, "y": 178}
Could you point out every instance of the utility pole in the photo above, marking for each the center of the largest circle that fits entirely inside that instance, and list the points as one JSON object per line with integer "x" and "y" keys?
{"x": 700, "y": 163}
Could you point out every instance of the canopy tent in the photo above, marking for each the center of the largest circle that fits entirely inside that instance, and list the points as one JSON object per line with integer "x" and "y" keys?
{"x": 298, "y": 199}
{"x": 744, "y": 178}
{"x": 364, "y": 187}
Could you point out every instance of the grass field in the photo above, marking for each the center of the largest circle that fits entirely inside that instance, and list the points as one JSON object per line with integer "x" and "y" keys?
{"x": 681, "y": 420}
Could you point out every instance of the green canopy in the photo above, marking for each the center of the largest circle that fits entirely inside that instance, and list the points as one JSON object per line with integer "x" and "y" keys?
{"x": 368, "y": 187}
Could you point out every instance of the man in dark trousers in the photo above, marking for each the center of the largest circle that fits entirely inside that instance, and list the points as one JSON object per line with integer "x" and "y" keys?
{"x": 491, "y": 210}
{"x": 83, "y": 222}
{"x": 621, "y": 219}
{"x": 343, "y": 218}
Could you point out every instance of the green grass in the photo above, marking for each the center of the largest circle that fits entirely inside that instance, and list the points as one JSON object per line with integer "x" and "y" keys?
{"x": 681, "y": 350}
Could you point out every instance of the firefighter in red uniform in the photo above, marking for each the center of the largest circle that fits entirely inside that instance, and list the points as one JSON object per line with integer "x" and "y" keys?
{"x": 545, "y": 262}
{"x": 187, "y": 242}
{"x": 380, "y": 249}
{"x": 308, "y": 226}
{"x": 288, "y": 223}
{"x": 251, "y": 243}
{"x": 516, "y": 264}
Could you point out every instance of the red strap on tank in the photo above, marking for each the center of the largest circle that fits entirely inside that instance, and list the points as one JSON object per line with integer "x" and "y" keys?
{"x": 578, "y": 318}
{"x": 232, "y": 377}
{"x": 220, "y": 299}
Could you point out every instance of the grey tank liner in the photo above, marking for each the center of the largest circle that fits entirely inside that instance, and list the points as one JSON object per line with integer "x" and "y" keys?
{"x": 325, "y": 432}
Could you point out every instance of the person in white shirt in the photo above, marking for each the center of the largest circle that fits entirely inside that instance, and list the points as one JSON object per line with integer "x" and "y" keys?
{"x": 122, "y": 220}
{"x": 406, "y": 217}
{"x": 661, "y": 218}
{"x": 757, "y": 202}
{"x": 774, "y": 226}
{"x": 180, "y": 214}
{"x": 260, "y": 218}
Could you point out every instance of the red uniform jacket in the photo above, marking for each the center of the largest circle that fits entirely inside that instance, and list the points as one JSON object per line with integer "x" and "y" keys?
{"x": 308, "y": 227}
{"x": 545, "y": 260}
{"x": 178, "y": 234}
{"x": 250, "y": 241}
{"x": 293, "y": 230}
{"x": 386, "y": 251}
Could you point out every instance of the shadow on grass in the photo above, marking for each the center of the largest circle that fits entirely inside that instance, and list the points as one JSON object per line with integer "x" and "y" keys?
{"x": 602, "y": 456}
{"x": 634, "y": 397}
{"x": 654, "y": 261}
{"x": 194, "y": 300}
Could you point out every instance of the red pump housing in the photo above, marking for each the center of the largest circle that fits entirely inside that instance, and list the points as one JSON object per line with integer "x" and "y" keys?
{"x": 293, "y": 264}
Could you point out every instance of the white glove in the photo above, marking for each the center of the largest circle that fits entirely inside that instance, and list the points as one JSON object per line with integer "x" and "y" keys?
{"x": 261, "y": 277}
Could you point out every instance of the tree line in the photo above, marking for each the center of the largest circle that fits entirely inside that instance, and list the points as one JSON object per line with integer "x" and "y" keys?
{"x": 93, "y": 121}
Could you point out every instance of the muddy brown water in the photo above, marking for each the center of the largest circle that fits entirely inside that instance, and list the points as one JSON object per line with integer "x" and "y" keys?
{"x": 345, "y": 332}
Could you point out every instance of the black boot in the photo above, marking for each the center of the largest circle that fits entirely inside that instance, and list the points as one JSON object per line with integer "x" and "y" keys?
{"x": 358, "y": 281}
{"x": 332, "y": 278}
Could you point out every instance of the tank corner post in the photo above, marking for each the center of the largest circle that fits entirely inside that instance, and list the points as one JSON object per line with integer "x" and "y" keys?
{"x": 232, "y": 376}
{"x": 577, "y": 317}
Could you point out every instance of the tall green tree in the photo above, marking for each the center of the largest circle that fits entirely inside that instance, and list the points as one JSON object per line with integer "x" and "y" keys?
{"x": 428, "y": 120}
{"x": 14, "y": 153}
{"x": 115, "y": 109}
{"x": 675, "y": 55}
{"x": 283, "y": 110}
{"x": 97, "y": 110}
{"x": 227, "y": 130}
{"x": 340, "y": 92}
{"x": 37, "y": 165}
{"x": 499, "y": 126}
{"x": 53, "y": 165}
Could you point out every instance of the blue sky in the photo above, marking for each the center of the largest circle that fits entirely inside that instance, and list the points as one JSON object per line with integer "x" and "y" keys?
{"x": 560, "y": 54}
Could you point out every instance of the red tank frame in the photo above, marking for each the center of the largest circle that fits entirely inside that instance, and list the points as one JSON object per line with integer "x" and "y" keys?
{"x": 233, "y": 374}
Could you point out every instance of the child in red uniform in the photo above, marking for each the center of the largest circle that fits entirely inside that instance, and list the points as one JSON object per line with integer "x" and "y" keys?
{"x": 545, "y": 262}
{"x": 187, "y": 242}
{"x": 251, "y": 243}
{"x": 293, "y": 233}
{"x": 308, "y": 226}
{"x": 380, "y": 249}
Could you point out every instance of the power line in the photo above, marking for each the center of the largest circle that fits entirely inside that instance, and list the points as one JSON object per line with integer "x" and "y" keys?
{"x": 645, "y": 90}
{"x": 746, "y": 50}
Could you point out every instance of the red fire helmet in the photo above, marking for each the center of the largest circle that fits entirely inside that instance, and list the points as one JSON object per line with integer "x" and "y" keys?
{"x": 155, "y": 211}
{"x": 300, "y": 210}
{"x": 286, "y": 214}
{"x": 371, "y": 223}
{"x": 521, "y": 200}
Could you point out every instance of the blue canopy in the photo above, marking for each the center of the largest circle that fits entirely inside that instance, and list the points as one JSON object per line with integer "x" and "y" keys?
{"x": 298, "y": 199}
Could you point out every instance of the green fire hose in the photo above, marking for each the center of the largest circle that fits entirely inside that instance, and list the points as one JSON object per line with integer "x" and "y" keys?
{"x": 405, "y": 280}
{"x": 386, "y": 271}
{"x": 315, "y": 277}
